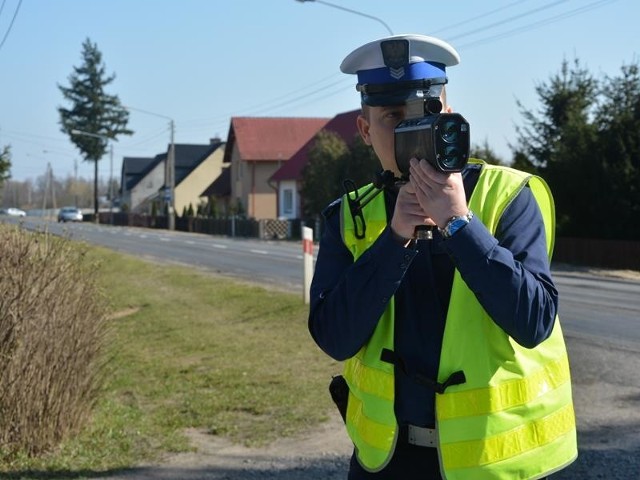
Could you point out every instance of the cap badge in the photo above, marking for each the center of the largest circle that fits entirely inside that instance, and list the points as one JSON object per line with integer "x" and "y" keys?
{"x": 395, "y": 54}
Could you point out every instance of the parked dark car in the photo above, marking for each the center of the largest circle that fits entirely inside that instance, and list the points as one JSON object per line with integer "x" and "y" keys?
{"x": 70, "y": 214}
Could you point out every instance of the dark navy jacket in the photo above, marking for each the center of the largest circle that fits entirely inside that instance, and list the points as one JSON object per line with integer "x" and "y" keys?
{"x": 509, "y": 275}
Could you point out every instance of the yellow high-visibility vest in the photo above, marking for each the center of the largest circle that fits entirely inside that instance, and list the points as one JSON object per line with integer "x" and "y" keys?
{"x": 513, "y": 416}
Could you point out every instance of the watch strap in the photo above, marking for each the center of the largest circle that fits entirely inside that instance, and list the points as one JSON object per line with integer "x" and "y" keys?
{"x": 455, "y": 223}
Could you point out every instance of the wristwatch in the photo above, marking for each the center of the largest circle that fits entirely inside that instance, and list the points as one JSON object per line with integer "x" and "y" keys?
{"x": 456, "y": 223}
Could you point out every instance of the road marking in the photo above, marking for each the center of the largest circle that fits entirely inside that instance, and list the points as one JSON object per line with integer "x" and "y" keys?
{"x": 217, "y": 245}
{"x": 263, "y": 252}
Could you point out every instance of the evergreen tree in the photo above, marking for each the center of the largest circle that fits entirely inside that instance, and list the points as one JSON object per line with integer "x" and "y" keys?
{"x": 521, "y": 162}
{"x": 585, "y": 141}
{"x": 618, "y": 145}
{"x": 212, "y": 208}
{"x": 558, "y": 141}
{"x": 92, "y": 110}
{"x": 486, "y": 153}
{"x": 567, "y": 101}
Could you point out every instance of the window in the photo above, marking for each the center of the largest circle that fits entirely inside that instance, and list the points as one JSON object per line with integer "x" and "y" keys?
{"x": 287, "y": 201}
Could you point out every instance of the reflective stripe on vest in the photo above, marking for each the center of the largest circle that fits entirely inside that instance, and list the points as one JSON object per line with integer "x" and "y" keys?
{"x": 513, "y": 418}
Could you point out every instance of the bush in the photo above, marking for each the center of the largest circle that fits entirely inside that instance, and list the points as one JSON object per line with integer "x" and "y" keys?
{"x": 52, "y": 330}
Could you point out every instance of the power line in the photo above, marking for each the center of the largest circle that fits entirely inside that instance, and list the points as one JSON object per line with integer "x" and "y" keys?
{"x": 15, "y": 14}
{"x": 510, "y": 19}
{"x": 268, "y": 103}
{"x": 223, "y": 123}
{"x": 539, "y": 23}
{"x": 275, "y": 105}
{"x": 478, "y": 17}
{"x": 146, "y": 139}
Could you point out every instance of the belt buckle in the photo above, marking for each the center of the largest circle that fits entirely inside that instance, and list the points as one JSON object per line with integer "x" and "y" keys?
{"x": 422, "y": 437}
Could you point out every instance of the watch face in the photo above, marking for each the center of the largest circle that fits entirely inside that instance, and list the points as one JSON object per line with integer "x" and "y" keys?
{"x": 456, "y": 225}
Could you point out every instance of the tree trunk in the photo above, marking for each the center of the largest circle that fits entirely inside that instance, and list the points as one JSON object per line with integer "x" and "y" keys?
{"x": 95, "y": 191}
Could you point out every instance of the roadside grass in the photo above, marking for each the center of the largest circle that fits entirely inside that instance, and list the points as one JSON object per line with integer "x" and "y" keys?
{"x": 191, "y": 350}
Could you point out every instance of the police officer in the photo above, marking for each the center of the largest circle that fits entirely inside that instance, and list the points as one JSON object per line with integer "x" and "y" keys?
{"x": 454, "y": 357}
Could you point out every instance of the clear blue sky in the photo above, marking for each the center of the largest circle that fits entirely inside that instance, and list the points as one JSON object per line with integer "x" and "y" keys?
{"x": 201, "y": 62}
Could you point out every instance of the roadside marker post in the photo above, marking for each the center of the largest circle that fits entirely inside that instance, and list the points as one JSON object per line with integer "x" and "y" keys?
{"x": 307, "y": 253}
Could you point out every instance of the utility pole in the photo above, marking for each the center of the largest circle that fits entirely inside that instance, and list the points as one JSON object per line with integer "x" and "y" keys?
{"x": 46, "y": 189}
{"x": 48, "y": 185}
{"x": 171, "y": 184}
{"x": 111, "y": 183}
{"x": 75, "y": 182}
{"x": 169, "y": 170}
{"x": 53, "y": 188}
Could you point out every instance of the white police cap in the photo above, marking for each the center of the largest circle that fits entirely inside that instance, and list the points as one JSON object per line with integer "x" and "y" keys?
{"x": 392, "y": 69}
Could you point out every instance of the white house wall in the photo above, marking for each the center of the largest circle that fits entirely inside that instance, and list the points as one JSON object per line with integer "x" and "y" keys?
{"x": 192, "y": 186}
{"x": 147, "y": 187}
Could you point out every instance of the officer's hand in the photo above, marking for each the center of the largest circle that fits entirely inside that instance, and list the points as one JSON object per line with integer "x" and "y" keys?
{"x": 408, "y": 213}
{"x": 440, "y": 195}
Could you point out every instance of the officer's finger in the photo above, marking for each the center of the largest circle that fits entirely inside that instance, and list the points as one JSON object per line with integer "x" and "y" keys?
{"x": 427, "y": 173}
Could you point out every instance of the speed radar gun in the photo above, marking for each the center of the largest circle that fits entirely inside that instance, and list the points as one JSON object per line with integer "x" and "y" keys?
{"x": 442, "y": 139}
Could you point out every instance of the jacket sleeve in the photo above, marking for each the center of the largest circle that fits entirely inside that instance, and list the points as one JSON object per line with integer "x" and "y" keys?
{"x": 347, "y": 297}
{"x": 510, "y": 274}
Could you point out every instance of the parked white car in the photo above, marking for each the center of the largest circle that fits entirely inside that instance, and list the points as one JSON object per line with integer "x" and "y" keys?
{"x": 15, "y": 212}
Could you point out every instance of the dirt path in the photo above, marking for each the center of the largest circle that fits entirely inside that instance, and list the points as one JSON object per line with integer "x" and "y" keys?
{"x": 321, "y": 454}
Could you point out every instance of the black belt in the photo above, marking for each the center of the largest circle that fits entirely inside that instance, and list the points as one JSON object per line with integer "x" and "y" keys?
{"x": 418, "y": 436}
{"x": 456, "y": 378}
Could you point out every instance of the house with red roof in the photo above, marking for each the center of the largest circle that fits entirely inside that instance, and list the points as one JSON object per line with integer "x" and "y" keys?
{"x": 286, "y": 180}
{"x": 256, "y": 148}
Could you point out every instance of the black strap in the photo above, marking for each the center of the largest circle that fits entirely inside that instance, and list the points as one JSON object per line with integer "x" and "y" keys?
{"x": 456, "y": 378}
{"x": 470, "y": 176}
{"x": 422, "y": 84}
{"x": 357, "y": 201}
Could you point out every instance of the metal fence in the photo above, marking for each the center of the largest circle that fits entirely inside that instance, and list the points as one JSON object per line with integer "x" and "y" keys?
{"x": 266, "y": 229}
{"x": 617, "y": 254}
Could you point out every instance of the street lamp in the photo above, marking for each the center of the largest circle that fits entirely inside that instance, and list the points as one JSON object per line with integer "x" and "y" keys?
{"x": 350, "y": 11}
{"x": 169, "y": 169}
{"x": 110, "y": 140}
